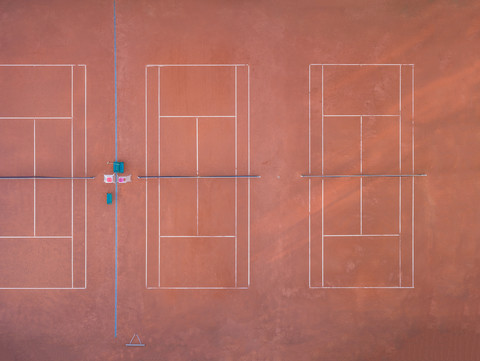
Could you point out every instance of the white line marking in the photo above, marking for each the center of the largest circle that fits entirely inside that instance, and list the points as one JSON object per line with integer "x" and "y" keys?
{"x": 34, "y": 237}
{"x": 413, "y": 179}
{"x": 361, "y": 146}
{"x": 248, "y": 171}
{"x": 196, "y": 151}
{"x": 309, "y": 181}
{"x": 323, "y": 187}
{"x": 361, "y": 172}
{"x": 162, "y": 65}
{"x": 34, "y": 65}
{"x": 146, "y": 182}
{"x": 379, "y": 287}
{"x": 85, "y": 114}
{"x": 34, "y": 181}
{"x": 361, "y": 235}
{"x": 359, "y": 64}
{"x": 400, "y": 179}
{"x": 71, "y": 165}
{"x": 199, "y": 236}
{"x": 159, "y": 173}
{"x": 360, "y": 115}
{"x": 236, "y": 180}
{"x": 37, "y": 118}
{"x": 197, "y": 141}
{"x": 413, "y": 232}
{"x": 323, "y": 234}
{"x": 42, "y": 288}
{"x": 351, "y": 175}
{"x": 197, "y": 288}
{"x": 197, "y": 116}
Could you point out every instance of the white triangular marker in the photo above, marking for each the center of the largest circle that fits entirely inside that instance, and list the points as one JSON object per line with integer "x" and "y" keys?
{"x": 131, "y": 343}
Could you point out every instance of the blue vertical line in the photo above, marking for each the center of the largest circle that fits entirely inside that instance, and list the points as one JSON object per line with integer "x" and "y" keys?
{"x": 116, "y": 159}
{"x": 116, "y": 263}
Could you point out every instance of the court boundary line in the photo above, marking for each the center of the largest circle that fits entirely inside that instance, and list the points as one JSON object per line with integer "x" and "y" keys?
{"x": 345, "y": 64}
{"x": 197, "y": 288}
{"x": 35, "y": 237}
{"x": 43, "y": 288}
{"x": 39, "y": 65}
{"x": 360, "y": 115}
{"x": 35, "y": 118}
{"x": 34, "y": 181}
{"x": 197, "y": 236}
{"x": 86, "y": 168}
{"x": 71, "y": 119}
{"x": 146, "y": 172}
{"x": 236, "y": 180}
{"x": 196, "y": 116}
{"x": 193, "y": 65}
{"x": 116, "y": 159}
{"x": 358, "y": 287}
{"x": 235, "y": 66}
{"x": 309, "y": 181}
{"x": 196, "y": 180}
{"x": 71, "y": 160}
{"x": 361, "y": 170}
{"x": 363, "y": 235}
{"x": 248, "y": 171}
{"x": 400, "y": 179}
{"x": 323, "y": 180}
{"x": 159, "y": 173}
{"x": 413, "y": 179}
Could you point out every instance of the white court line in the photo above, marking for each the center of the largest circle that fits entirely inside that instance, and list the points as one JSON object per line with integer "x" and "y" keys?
{"x": 361, "y": 172}
{"x": 400, "y": 166}
{"x": 236, "y": 172}
{"x": 36, "y": 118}
{"x": 177, "y": 65}
{"x": 34, "y": 65}
{"x": 196, "y": 116}
{"x": 159, "y": 170}
{"x": 42, "y": 288}
{"x": 413, "y": 181}
{"x": 196, "y": 154}
{"x": 85, "y": 115}
{"x": 361, "y": 235}
{"x": 248, "y": 171}
{"x": 71, "y": 165}
{"x": 360, "y": 115}
{"x": 360, "y": 64}
{"x": 236, "y": 165}
{"x": 146, "y": 182}
{"x": 323, "y": 193}
{"x": 400, "y": 179}
{"x": 34, "y": 181}
{"x": 309, "y": 181}
{"x": 199, "y": 236}
{"x": 197, "y": 288}
{"x": 352, "y": 287}
{"x": 323, "y": 116}
{"x": 35, "y": 237}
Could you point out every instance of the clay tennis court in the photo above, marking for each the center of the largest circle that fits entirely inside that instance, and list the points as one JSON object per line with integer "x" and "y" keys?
{"x": 304, "y": 181}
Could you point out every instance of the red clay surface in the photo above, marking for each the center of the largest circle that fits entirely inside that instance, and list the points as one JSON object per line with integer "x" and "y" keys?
{"x": 278, "y": 317}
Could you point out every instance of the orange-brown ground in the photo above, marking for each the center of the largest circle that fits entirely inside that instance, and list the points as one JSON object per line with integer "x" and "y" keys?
{"x": 278, "y": 317}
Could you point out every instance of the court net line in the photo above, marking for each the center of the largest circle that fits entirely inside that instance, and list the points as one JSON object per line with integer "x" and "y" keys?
{"x": 361, "y": 175}
{"x": 197, "y": 177}
{"x": 42, "y": 177}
